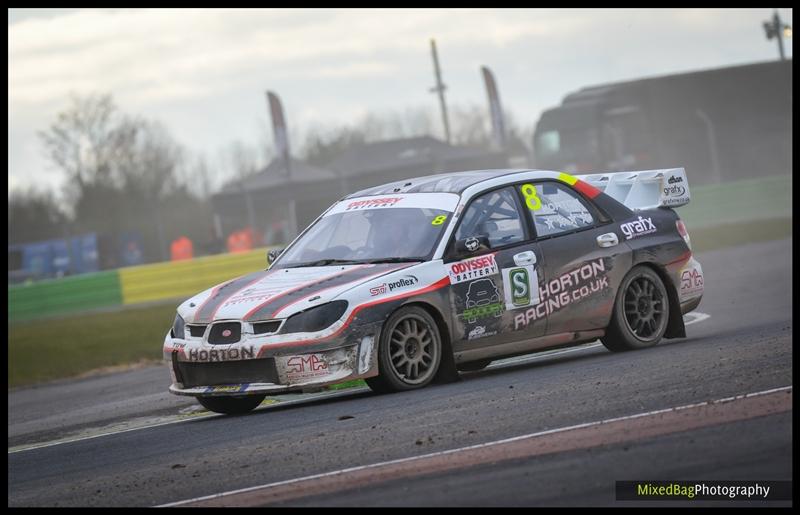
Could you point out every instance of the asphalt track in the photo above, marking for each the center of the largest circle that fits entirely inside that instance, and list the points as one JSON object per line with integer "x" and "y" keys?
{"x": 124, "y": 442}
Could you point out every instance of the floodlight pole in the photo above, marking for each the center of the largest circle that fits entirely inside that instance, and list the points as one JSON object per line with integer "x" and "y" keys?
{"x": 439, "y": 88}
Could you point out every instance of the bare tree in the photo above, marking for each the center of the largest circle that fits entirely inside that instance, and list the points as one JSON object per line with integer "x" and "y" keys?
{"x": 82, "y": 139}
{"x": 34, "y": 215}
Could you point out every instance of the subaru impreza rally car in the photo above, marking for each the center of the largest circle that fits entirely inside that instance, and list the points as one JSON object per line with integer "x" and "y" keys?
{"x": 410, "y": 282}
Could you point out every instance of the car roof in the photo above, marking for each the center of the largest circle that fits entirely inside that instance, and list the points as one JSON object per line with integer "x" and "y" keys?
{"x": 449, "y": 182}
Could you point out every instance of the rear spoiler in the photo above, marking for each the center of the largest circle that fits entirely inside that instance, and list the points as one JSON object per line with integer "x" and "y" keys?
{"x": 645, "y": 189}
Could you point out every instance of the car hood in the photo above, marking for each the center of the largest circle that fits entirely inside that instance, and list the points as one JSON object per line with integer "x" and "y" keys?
{"x": 279, "y": 293}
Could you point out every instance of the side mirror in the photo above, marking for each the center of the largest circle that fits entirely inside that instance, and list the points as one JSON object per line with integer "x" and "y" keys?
{"x": 472, "y": 244}
{"x": 273, "y": 254}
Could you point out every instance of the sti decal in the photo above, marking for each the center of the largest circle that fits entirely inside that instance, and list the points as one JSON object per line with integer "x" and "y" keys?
{"x": 483, "y": 301}
{"x": 521, "y": 286}
{"x": 403, "y": 282}
{"x": 564, "y": 290}
{"x": 638, "y": 228}
{"x": 473, "y": 268}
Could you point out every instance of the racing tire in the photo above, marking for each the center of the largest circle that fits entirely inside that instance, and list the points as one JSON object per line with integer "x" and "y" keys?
{"x": 409, "y": 352}
{"x": 641, "y": 312}
{"x": 231, "y": 405}
{"x": 473, "y": 366}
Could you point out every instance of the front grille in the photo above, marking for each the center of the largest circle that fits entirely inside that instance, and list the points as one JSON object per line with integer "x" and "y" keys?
{"x": 197, "y": 330}
{"x": 226, "y": 372}
{"x": 225, "y": 333}
{"x": 266, "y": 327}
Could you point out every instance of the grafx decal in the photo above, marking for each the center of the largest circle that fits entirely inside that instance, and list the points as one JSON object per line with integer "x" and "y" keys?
{"x": 564, "y": 290}
{"x": 675, "y": 190}
{"x": 473, "y": 268}
{"x": 521, "y": 286}
{"x": 638, "y": 228}
{"x": 483, "y": 301}
{"x": 222, "y": 354}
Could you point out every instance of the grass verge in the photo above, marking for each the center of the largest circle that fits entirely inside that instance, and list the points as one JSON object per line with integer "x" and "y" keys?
{"x": 50, "y": 349}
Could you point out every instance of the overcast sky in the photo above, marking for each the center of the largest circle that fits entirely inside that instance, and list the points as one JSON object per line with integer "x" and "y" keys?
{"x": 203, "y": 73}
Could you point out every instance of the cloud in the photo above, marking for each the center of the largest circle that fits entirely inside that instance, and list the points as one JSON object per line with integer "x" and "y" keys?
{"x": 202, "y": 71}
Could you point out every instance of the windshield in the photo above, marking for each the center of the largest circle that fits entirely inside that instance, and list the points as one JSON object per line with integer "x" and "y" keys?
{"x": 374, "y": 229}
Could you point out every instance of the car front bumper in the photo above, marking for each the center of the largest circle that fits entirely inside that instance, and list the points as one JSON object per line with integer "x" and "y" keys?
{"x": 251, "y": 367}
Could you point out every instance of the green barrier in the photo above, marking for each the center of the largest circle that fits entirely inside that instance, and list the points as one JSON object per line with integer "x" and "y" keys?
{"x": 68, "y": 294}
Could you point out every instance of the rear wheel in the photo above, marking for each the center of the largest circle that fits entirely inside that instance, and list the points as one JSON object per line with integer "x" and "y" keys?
{"x": 641, "y": 312}
{"x": 409, "y": 351}
{"x": 231, "y": 405}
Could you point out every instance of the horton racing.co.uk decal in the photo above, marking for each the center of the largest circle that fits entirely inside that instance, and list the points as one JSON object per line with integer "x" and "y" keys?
{"x": 564, "y": 290}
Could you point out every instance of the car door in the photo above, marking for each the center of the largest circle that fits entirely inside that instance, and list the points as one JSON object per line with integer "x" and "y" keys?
{"x": 584, "y": 258}
{"x": 494, "y": 274}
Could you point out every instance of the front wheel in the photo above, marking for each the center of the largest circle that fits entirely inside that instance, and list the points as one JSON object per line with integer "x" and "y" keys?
{"x": 231, "y": 405}
{"x": 409, "y": 351}
{"x": 641, "y": 312}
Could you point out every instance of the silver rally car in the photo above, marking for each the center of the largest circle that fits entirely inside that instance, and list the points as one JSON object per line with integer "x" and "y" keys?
{"x": 410, "y": 282}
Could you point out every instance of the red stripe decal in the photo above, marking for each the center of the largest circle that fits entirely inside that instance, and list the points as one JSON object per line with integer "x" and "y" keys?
{"x": 363, "y": 279}
{"x": 441, "y": 283}
{"x": 684, "y": 257}
{"x": 282, "y": 294}
{"x": 587, "y": 189}
{"x": 214, "y": 313}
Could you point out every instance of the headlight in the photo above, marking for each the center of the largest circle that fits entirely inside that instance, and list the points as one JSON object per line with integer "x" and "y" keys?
{"x": 316, "y": 318}
{"x": 177, "y": 327}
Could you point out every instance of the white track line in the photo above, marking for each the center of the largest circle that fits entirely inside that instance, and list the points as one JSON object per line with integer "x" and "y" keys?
{"x": 498, "y": 364}
{"x": 477, "y": 446}
{"x": 337, "y": 393}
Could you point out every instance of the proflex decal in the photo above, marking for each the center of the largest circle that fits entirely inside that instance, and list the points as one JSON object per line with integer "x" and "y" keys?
{"x": 638, "y": 228}
{"x": 564, "y": 290}
{"x": 521, "y": 286}
{"x": 483, "y": 301}
{"x": 398, "y": 284}
{"x": 473, "y": 268}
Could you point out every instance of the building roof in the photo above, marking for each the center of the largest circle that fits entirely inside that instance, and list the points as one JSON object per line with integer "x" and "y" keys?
{"x": 275, "y": 175}
{"x": 400, "y": 153}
